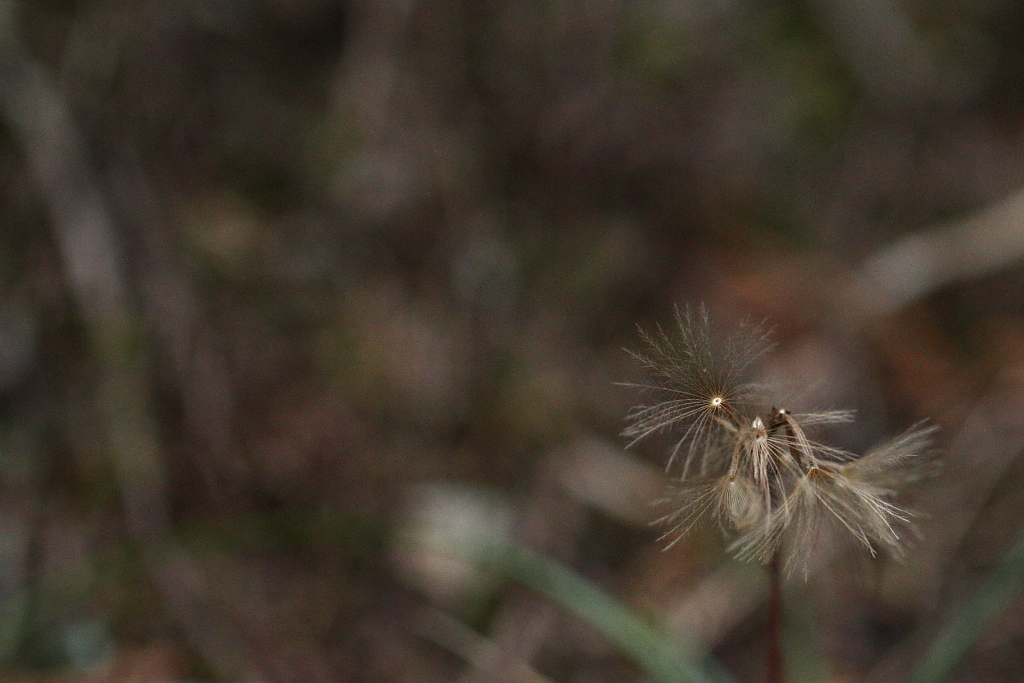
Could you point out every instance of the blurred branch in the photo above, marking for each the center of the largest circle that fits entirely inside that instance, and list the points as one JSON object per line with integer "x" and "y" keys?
{"x": 174, "y": 311}
{"x": 925, "y": 261}
{"x": 41, "y": 120}
{"x": 55, "y": 153}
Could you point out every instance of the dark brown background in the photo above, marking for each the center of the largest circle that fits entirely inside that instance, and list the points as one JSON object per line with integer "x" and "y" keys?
{"x": 286, "y": 284}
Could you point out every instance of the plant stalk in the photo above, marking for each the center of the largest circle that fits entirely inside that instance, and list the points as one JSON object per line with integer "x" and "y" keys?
{"x": 775, "y": 664}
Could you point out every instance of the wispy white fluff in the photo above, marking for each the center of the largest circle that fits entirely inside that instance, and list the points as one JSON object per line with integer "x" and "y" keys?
{"x": 756, "y": 471}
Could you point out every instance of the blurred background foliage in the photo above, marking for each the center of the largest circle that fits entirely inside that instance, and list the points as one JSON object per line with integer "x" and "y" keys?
{"x": 296, "y": 294}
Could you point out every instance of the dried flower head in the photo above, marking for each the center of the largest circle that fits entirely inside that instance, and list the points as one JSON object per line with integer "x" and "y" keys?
{"x": 755, "y": 469}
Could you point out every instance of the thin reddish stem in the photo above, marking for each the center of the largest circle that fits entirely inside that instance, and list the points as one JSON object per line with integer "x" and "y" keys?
{"x": 776, "y": 670}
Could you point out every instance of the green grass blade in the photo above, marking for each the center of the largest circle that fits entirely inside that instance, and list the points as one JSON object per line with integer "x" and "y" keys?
{"x": 648, "y": 646}
{"x": 957, "y": 638}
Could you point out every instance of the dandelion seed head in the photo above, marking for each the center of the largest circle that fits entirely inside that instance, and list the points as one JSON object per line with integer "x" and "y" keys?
{"x": 756, "y": 471}
{"x": 758, "y": 429}
{"x": 743, "y": 503}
